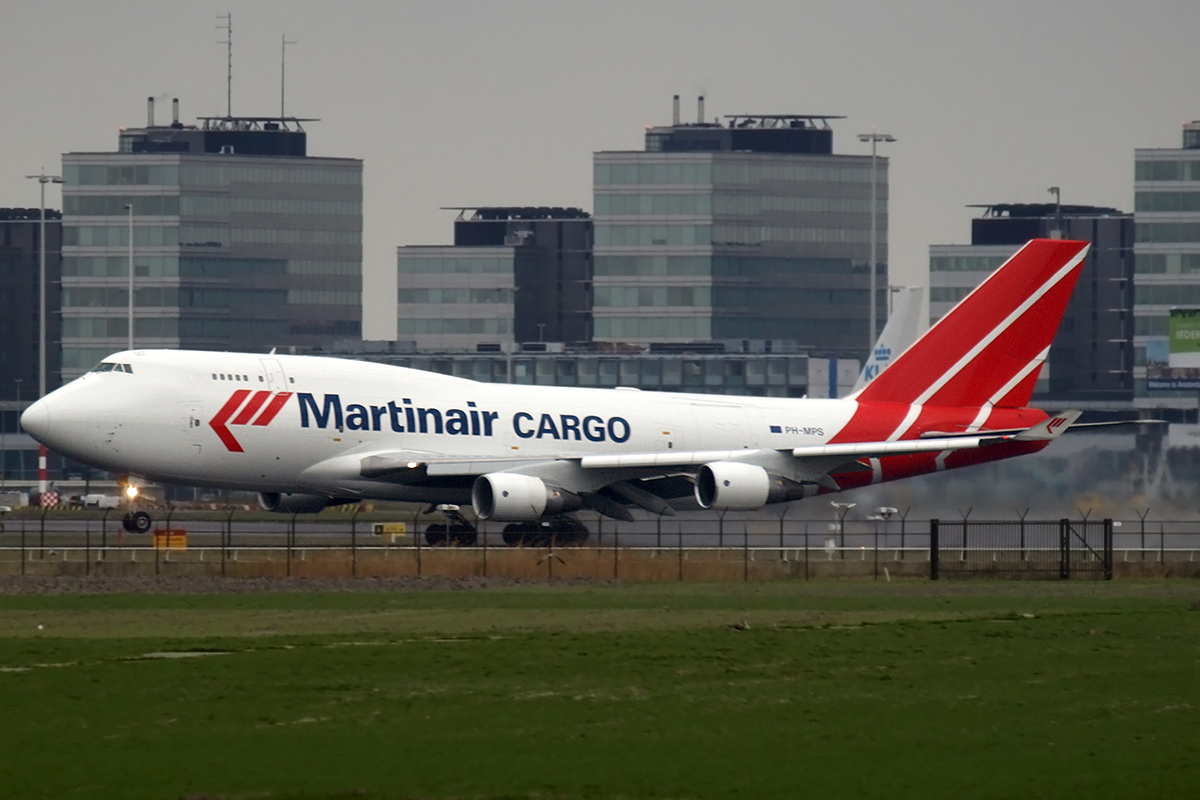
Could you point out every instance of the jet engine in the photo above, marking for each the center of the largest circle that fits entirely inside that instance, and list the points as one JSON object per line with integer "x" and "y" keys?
{"x": 732, "y": 485}
{"x": 288, "y": 503}
{"x": 512, "y": 497}
{"x": 743, "y": 487}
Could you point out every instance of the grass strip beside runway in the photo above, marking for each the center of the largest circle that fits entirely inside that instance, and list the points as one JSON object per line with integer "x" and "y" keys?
{"x": 849, "y": 689}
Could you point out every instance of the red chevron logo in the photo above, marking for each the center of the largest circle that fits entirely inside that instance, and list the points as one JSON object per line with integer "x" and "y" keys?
{"x": 245, "y": 410}
{"x": 1055, "y": 424}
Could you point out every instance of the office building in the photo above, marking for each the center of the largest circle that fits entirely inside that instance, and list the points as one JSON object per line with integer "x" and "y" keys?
{"x": 747, "y": 229}
{"x": 1091, "y": 359}
{"x": 714, "y": 369}
{"x": 20, "y": 248}
{"x": 1167, "y": 257}
{"x": 240, "y": 240}
{"x": 513, "y": 275}
{"x": 20, "y": 252}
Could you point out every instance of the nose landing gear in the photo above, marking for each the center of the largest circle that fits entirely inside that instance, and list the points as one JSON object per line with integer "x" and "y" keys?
{"x": 136, "y": 522}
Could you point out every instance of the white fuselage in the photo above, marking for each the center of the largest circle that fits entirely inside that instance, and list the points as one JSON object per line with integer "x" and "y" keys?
{"x": 203, "y": 419}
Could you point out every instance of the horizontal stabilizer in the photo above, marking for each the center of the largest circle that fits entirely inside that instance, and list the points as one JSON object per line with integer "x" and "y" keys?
{"x": 1049, "y": 429}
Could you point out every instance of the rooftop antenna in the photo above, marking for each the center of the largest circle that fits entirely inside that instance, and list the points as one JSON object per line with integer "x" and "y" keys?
{"x": 228, "y": 28}
{"x": 283, "y": 43}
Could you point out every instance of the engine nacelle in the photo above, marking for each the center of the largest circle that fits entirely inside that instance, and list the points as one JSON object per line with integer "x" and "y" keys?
{"x": 288, "y": 503}
{"x": 732, "y": 485}
{"x": 512, "y": 497}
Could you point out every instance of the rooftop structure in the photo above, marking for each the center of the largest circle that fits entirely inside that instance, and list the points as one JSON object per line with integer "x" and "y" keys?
{"x": 752, "y": 229}
{"x": 240, "y": 241}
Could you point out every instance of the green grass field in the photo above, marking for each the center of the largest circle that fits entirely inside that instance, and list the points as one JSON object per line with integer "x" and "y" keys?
{"x": 980, "y": 690}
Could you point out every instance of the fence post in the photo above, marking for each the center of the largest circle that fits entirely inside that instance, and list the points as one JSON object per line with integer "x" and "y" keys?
{"x": 1064, "y": 549}
{"x": 875, "y": 568}
{"x": 104, "y": 531}
{"x": 934, "y": 550}
{"x": 616, "y": 549}
{"x": 786, "y": 508}
{"x": 354, "y": 542}
{"x": 680, "y": 549}
{"x": 745, "y": 553}
{"x": 1023, "y": 555}
{"x": 87, "y": 548}
{"x": 482, "y": 532}
{"x": 42, "y": 533}
{"x": 227, "y": 535}
{"x": 1108, "y": 549}
{"x": 291, "y": 534}
{"x": 1143, "y": 516}
{"x": 805, "y": 551}
{"x": 23, "y": 559}
{"x": 417, "y": 539}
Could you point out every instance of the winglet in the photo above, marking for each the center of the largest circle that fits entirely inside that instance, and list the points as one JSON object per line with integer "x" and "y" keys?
{"x": 1049, "y": 429}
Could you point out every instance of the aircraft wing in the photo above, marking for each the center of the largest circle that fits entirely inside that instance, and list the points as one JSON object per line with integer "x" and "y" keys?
{"x": 609, "y": 482}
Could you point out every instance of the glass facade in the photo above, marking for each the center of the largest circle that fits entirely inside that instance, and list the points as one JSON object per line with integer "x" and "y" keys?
{"x": 230, "y": 252}
{"x": 715, "y": 373}
{"x": 451, "y": 298}
{"x": 736, "y": 245}
{"x": 1167, "y": 253}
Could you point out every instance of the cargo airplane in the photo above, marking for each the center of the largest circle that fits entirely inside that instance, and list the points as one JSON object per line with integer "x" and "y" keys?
{"x": 308, "y": 432}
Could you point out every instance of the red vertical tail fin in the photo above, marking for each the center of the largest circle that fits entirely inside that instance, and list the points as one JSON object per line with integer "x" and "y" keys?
{"x": 989, "y": 348}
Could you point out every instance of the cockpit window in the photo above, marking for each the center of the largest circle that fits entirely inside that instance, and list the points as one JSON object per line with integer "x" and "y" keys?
{"x": 109, "y": 366}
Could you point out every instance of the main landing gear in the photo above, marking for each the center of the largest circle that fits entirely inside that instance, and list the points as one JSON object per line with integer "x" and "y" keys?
{"x": 455, "y": 531}
{"x": 551, "y": 532}
{"x": 555, "y": 531}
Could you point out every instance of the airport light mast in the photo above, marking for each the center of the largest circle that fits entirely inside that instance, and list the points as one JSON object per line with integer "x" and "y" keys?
{"x": 874, "y": 138}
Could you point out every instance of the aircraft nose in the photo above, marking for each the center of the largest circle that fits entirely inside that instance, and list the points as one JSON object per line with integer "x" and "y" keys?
{"x": 36, "y": 420}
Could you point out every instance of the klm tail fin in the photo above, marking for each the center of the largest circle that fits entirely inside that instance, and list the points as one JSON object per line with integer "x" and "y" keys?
{"x": 899, "y": 332}
{"x": 989, "y": 349}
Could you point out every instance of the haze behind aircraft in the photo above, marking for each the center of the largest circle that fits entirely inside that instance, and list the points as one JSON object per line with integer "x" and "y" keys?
{"x": 307, "y": 432}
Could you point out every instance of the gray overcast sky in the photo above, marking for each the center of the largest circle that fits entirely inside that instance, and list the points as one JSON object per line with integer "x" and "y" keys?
{"x": 460, "y": 103}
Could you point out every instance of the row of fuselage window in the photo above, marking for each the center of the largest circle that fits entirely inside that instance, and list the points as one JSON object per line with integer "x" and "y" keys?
{"x": 225, "y": 376}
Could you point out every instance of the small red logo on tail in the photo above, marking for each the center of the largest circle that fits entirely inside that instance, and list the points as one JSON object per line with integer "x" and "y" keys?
{"x": 1055, "y": 424}
{"x": 221, "y": 419}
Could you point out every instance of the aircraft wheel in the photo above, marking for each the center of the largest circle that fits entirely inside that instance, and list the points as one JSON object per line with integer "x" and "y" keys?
{"x": 462, "y": 535}
{"x": 435, "y": 534}
{"x": 513, "y": 535}
{"x": 137, "y": 522}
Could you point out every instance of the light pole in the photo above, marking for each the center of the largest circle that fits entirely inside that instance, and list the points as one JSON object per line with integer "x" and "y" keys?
{"x": 129, "y": 207}
{"x": 3, "y": 449}
{"x": 20, "y": 458}
{"x": 874, "y": 138}
{"x": 42, "y": 178}
{"x": 842, "y": 510}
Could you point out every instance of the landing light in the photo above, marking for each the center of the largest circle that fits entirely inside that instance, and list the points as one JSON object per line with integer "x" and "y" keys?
{"x": 413, "y": 465}
{"x": 131, "y": 492}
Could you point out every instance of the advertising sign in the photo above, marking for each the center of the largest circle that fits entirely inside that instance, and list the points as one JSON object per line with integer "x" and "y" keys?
{"x": 1173, "y": 363}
